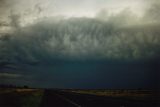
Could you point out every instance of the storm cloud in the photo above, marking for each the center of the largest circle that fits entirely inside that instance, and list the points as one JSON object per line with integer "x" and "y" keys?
{"x": 31, "y": 38}
{"x": 79, "y": 38}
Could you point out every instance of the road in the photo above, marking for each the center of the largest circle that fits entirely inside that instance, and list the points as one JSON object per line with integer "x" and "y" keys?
{"x": 67, "y": 99}
{"x": 54, "y": 99}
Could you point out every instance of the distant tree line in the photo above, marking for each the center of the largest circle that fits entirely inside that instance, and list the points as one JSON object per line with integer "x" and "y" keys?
{"x": 12, "y": 86}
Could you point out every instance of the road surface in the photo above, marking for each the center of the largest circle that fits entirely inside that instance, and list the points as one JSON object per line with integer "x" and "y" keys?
{"x": 53, "y": 98}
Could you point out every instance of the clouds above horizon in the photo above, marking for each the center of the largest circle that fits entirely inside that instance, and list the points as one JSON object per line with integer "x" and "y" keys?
{"x": 80, "y": 44}
{"x": 122, "y": 35}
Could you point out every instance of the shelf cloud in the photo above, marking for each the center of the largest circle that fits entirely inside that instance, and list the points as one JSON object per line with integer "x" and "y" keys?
{"x": 43, "y": 31}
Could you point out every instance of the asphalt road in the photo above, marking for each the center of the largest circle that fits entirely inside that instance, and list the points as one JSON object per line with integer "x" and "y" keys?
{"x": 53, "y": 98}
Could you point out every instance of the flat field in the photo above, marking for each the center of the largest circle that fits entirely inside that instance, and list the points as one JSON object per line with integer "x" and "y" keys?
{"x": 21, "y": 97}
{"x": 18, "y": 97}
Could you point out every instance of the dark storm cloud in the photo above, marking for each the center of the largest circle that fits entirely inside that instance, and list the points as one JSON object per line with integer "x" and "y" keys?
{"x": 55, "y": 42}
{"x": 81, "y": 38}
{"x": 120, "y": 36}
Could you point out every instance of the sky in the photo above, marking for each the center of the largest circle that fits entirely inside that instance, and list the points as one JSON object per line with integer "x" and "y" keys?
{"x": 80, "y": 44}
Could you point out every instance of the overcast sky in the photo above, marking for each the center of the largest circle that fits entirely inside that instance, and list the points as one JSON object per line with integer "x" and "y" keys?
{"x": 80, "y": 43}
{"x": 30, "y": 10}
{"x": 72, "y": 7}
{"x": 69, "y": 8}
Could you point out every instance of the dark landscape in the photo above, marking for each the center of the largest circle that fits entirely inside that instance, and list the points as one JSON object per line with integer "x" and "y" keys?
{"x": 27, "y": 97}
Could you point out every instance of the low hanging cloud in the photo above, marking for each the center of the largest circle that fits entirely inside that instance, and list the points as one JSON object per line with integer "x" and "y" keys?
{"x": 118, "y": 36}
{"x": 9, "y": 75}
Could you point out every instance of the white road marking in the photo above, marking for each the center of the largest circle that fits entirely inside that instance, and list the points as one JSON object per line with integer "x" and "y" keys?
{"x": 68, "y": 100}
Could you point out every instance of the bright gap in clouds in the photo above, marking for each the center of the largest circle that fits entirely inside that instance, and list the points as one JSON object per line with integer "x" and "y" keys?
{"x": 31, "y": 10}
{"x": 88, "y": 8}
